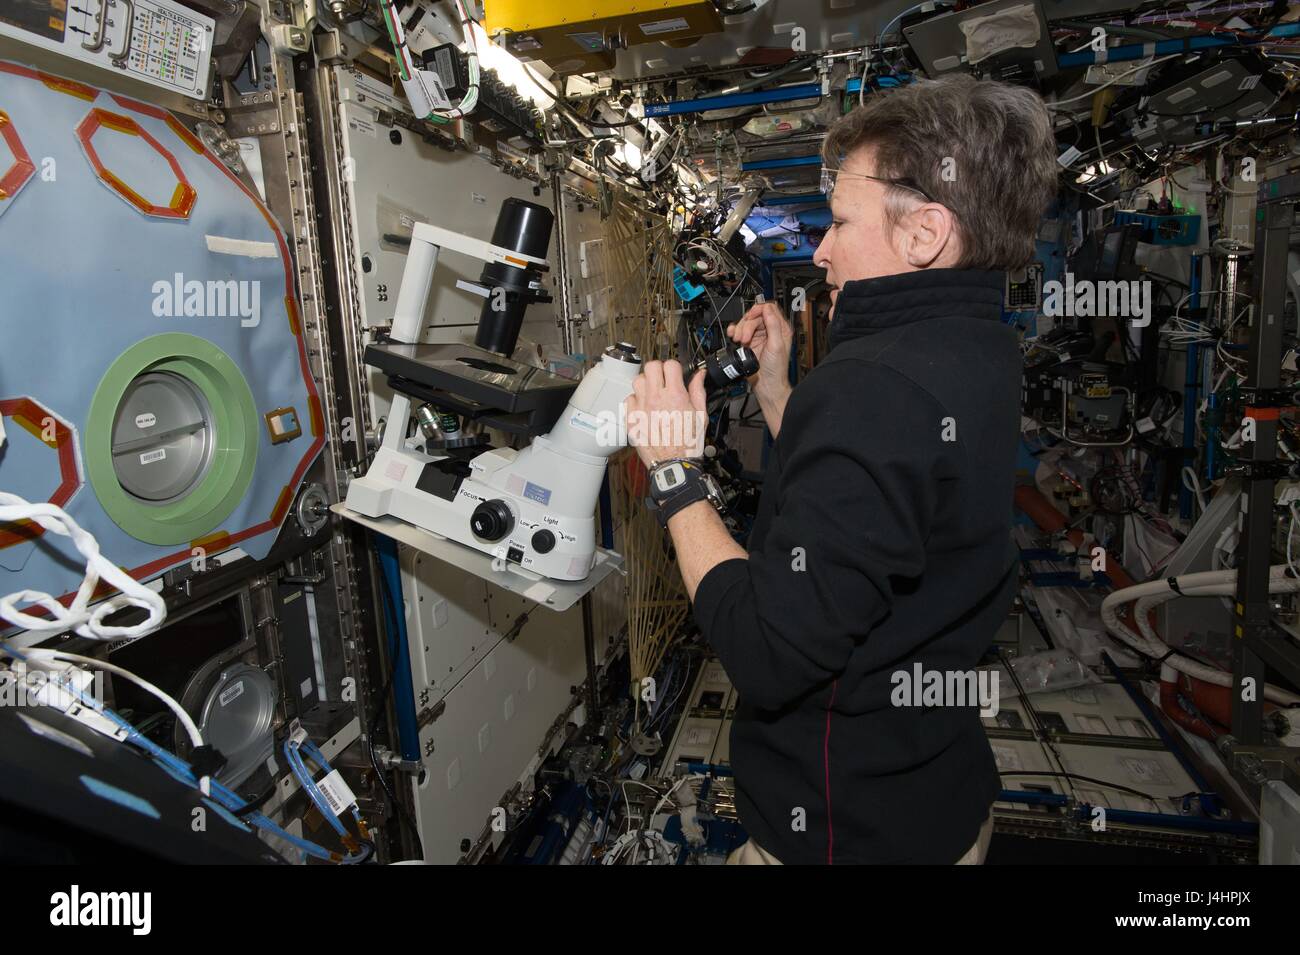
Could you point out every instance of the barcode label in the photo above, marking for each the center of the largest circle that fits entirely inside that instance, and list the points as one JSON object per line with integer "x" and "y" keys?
{"x": 437, "y": 92}
{"x": 665, "y": 26}
{"x": 336, "y": 793}
{"x": 232, "y": 692}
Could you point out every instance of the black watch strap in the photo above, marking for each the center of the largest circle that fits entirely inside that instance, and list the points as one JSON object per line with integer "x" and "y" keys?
{"x": 693, "y": 488}
{"x": 663, "y": 510}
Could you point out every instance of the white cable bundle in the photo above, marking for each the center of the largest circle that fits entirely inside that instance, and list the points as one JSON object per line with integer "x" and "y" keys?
{"x": 630, "y": 844}
{"x": 78, "y": 617}
{"x": 415, "y": 79}
{"x": 1207, "y": 584}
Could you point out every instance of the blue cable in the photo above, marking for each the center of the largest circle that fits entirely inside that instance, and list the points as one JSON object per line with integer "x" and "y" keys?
{"x": 312, "y": 752}
{"x": 292, "y": 755}
{"x": 182, "y": 772}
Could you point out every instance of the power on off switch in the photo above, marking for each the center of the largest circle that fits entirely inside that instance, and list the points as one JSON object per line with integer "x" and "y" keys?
{"x": 515, "y": 554}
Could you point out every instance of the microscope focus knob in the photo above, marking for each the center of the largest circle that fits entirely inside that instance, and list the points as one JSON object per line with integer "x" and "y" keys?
{"x": 491, "y": 520}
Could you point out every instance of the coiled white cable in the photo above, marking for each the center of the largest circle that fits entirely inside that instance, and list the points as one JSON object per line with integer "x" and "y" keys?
{"x": 78, "y": 617}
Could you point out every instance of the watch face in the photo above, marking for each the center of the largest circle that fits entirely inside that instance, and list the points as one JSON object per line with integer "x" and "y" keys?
{"x": 670, "y": 478}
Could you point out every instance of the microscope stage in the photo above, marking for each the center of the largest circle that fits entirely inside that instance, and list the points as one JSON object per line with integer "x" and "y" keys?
{"x": 465, "y": 371}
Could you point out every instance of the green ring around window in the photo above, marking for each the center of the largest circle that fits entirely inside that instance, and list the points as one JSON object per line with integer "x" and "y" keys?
{"x": 236, "y": 438}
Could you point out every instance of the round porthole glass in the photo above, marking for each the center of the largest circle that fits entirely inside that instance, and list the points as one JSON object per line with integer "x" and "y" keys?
{"x": 163, "y": 436}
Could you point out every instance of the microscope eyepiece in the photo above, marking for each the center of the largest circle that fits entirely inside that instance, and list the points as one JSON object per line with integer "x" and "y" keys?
{"x": 623, "y": 351}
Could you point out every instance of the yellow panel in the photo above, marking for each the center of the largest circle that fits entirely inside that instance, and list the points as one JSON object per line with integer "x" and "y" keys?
{"x": 520, "y": 15}
{"x": 574, "y": 36}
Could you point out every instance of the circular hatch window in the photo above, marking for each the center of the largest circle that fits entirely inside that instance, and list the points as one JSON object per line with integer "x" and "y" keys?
{"x": 171, "y": 439}
{"x": 162, "y": 437}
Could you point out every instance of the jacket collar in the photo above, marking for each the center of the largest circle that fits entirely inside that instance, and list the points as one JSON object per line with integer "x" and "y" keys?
{"x": 865, "y": 306}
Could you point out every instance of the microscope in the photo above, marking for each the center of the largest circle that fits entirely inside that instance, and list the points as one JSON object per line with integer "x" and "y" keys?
{"x": 530, "y": 509}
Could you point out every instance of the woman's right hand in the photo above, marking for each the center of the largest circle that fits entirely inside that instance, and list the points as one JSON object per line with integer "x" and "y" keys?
{"x": 765, "y": 330}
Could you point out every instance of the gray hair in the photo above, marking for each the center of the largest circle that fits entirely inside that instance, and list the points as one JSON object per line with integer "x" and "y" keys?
{"x": 983, "y": 149}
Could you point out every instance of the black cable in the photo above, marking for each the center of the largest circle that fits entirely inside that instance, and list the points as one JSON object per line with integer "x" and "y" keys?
{"x": 1088, "y": 779}
{"x": 570, "y": 111}
{"x": 795, "y": 66}
{"x": 730, "y": 119}
{"x": 1040, "y": 730}
{"x": 1164, "y": 290}
{"x": 602, "y": 124}
{"x": 601, "y": 161}
{"x": 1141, "y": 550}
{"x": 253, "y": 805}
{"x": 374, "y": 760}
{"x": 1167, "y": 278}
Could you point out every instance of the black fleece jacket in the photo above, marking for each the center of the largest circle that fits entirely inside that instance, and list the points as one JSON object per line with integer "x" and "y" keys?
{"x": 882, "y": 540}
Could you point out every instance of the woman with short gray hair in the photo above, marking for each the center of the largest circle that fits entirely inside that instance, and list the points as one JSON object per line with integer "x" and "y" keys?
{"x": 880, "y": 564}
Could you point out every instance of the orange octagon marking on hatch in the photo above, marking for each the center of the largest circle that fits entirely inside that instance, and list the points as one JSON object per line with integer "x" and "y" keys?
{"x": 30, "y": 416}
{"x": 22, "y": 168}
{"x": 182, "y": 200}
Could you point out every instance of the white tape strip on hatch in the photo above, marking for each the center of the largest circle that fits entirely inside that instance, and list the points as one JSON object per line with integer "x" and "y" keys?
{"x": 245, "y": 247}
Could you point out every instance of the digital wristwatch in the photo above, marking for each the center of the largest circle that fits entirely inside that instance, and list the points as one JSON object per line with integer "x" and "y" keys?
{"x": 677, "y": 484}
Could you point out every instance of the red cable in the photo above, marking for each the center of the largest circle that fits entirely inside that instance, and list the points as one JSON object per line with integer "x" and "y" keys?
{"x": 826, "y": 762}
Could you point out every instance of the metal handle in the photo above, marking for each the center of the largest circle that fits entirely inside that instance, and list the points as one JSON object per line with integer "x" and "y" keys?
{"x": 119, "y": 59}
{"x": 97, "y": 43}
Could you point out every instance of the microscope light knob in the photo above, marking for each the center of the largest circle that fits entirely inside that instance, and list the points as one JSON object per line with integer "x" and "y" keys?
{"x": 492, "y": 520}
{"x": 543, "y": 542}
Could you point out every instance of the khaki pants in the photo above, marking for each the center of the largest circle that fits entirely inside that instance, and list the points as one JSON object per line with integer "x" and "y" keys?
{"x": 751, "y": 853}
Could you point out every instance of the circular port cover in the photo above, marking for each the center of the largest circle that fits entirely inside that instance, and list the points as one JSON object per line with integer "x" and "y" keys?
{"x": 163, "y": 435}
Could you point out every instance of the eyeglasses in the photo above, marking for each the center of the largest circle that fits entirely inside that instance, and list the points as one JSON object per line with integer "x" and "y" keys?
{"x": 830, "y": 175}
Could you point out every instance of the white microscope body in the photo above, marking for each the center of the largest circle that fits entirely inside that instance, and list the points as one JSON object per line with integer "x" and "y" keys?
{"x": 532, "y": 508}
